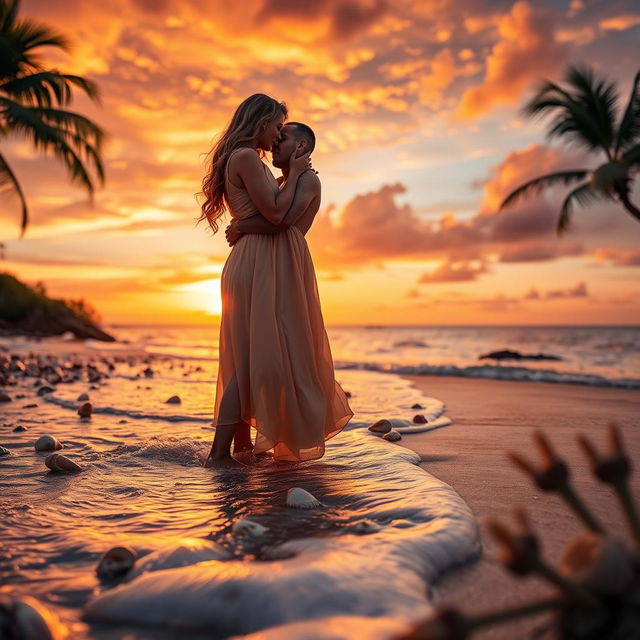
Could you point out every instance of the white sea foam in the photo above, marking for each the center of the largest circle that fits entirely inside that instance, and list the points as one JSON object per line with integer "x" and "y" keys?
{"x": 425, "y": 528}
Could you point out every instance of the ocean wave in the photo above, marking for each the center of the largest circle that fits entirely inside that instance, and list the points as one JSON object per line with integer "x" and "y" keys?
{"x": 419, "y": 528}
{"x": 495, "y": 372}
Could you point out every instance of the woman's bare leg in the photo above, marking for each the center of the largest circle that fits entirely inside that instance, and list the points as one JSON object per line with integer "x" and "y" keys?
{"x": 242, "y": 438}
{"x": 220, "y": 454}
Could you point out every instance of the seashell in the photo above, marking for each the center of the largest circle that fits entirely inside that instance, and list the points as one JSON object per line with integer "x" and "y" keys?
{"x": 58, "y": 462}
{"x": 83, "y": 397}
{"x": 47, "y": 443}
{"x": 116, "y": 562}
{"x": 420, "y": 419}
{"x": 245, "y": 526}
{"x": 392, "y": 436}
{"x": 85, "y": 410}
{"x": 600, "y": 563}
{"x": 25, "y": 618}
{"x": 382, "y": 426}
{"x": 173, "y": 400}
{"x": 298, "y": 498}
{"x": 417, "y": 406}
{"x": 4, "y": 451}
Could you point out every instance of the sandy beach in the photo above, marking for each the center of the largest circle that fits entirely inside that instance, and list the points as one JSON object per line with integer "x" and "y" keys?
{"x": 490, "y": 418}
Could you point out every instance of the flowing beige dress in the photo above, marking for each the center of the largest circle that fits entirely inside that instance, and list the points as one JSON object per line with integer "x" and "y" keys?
{"x": 275, "y": 366}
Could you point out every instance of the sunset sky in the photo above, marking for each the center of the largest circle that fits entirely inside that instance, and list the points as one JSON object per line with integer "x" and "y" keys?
{"x": 417, "y": 109}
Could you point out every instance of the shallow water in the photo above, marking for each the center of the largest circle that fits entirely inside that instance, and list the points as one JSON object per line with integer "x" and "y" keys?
{"x": 385, "y": 529}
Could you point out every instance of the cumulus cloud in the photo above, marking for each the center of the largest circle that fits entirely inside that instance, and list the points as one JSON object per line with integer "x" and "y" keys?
{"x": 579, "y": 291}
{"x": 618, "y": 256}
{"x": 451, "y": 271}
{"x": 526, "y": 50}
{"x": 539, "y": 251}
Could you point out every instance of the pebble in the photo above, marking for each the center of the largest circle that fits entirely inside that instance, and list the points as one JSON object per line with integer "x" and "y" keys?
{"x": 417, "y": 406}
{"x": 116, "y": 561}
{"x": 4, "y": 396}
{"x": 420, "y": 419}
{"x": 382, "y": 426}
{"x": 20, "y": 428}
{"x": 30, "y": 406}
{"x": 45, "y": 389}
{"x": 173, "y": 400}
{"x": 83, "y": 397}
{"x": 85, "y": 410}
{"x": 4, "y": 452}
{"x": 392, "y": 436}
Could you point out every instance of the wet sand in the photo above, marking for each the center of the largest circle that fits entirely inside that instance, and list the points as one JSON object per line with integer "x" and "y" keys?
{"x": 492, "y": 417}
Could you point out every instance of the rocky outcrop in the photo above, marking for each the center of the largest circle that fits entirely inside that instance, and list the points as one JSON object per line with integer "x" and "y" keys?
{"x": 27, "y": 311}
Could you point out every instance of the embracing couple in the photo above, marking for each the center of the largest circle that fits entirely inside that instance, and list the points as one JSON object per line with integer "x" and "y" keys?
{"x": 275, "y": 369}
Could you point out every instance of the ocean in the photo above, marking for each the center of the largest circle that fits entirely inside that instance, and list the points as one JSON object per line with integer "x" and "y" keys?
{"x": 363, "y": 564}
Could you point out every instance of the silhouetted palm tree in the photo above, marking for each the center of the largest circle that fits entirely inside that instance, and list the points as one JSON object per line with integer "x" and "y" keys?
{"x": 27, "y": 93}
{"x": 586, "y": 113}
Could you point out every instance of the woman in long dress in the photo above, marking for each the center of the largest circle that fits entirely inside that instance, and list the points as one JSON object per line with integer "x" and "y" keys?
{"x": 275, "y": 369}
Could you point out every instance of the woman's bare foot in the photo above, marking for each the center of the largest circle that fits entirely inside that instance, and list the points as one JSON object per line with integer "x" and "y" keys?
{"x": 224, "y": 462}
{"x": 242, "y": 439}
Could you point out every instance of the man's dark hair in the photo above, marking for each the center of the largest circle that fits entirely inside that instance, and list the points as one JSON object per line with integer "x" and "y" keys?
{"x": 305, "y": 132}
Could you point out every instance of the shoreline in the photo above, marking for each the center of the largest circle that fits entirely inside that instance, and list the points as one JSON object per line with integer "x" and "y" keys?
{"x": 491, "y": 417}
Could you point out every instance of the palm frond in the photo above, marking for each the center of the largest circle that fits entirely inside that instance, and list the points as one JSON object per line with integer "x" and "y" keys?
{"x": 46, "y": 137}
{"x": 537, "y": 184}
{"x": 18, "y": 39}
{"x": 8, "y": 179}
{"x": 583, "y": 195}
{"x": 632, "y": 156}
{"x": 573, "y": 120}
{"x": 41, "y": 87}
{"x": 629, "y": 129}
{"x": 8, "y": 13}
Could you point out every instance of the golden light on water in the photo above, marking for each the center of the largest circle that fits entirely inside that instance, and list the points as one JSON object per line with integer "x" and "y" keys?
{"x": 203, "y": 296}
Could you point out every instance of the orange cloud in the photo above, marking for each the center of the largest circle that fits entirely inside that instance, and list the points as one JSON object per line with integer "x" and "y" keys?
{"x": 620, "y": 23}
{"x": 449, "y": 271}
{"x": 527, "y": 49}
{"x": 618, "y": 257}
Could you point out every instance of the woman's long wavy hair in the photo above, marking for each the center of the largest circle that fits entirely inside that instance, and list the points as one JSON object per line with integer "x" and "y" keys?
{"x": 246, "y": 125}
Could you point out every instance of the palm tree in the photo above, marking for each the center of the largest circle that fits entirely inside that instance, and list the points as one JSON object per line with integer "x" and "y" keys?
{"x": 586, "y": 113}
{"x": 29, "y": 95}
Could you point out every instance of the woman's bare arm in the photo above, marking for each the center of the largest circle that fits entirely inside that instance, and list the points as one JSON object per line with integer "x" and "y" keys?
{"x": 307, "y": 189}
{"x": 273, "y": 206}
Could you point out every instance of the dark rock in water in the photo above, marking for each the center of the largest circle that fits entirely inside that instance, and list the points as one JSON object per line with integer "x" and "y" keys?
{"x": 93, "y": 387}
{"x": 347, "y": 393}
{"x": 83, "y": 397}
{"x": 45, "y": 389}
{"x": 4, "y": 452}
{"x": 5, "y": 397}
{"x": 19, "y": 396}
{"x": 85, "y": 410}
{"x": 33, "y": 405}
{"x": 29, "y": 311}
{"x": 148, "y": 372}
{"x": 20, "y": 428}
{"x": 411, "y": 343}
{"x": 417, "y": 406}
{"x": 382, "y": 426}
{"x": 122, "y": 421}
{"x": 420, "y": 419}
{"x": 173, "y": 400}
{"x": 507, "y": 354}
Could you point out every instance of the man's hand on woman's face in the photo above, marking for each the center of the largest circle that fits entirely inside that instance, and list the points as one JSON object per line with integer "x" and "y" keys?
{"x": 232, "y": 234}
